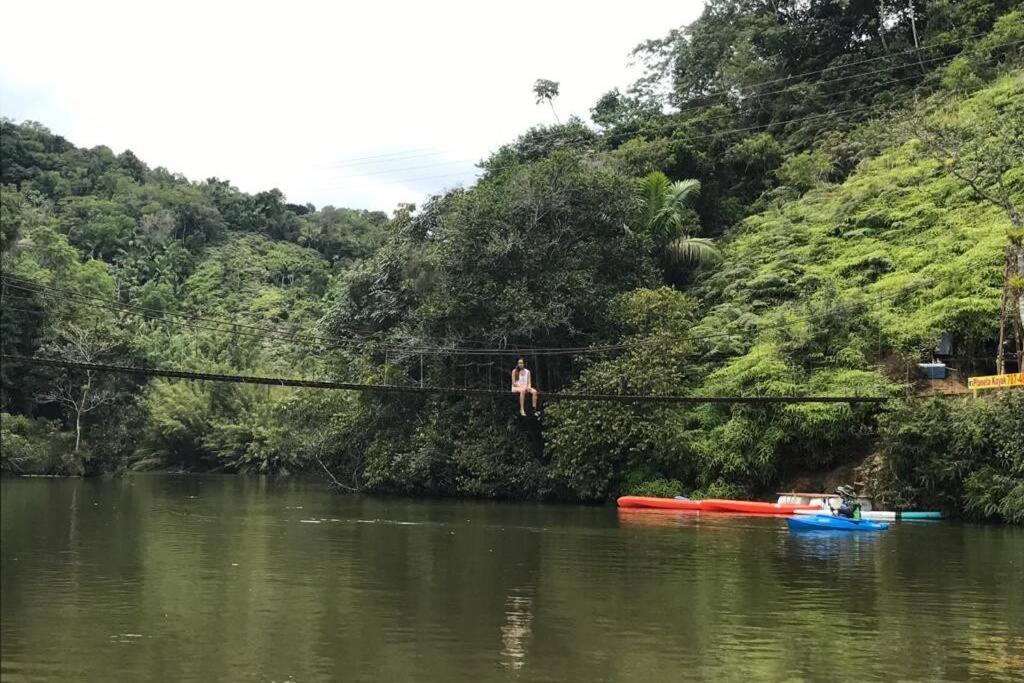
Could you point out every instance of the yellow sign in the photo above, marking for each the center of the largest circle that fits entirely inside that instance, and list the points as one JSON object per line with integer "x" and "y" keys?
{"x": 996, "y": 381}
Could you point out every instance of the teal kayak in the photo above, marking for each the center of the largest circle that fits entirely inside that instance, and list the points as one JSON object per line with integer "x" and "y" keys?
{"x": 910, "y": 515}
{"x": 830, "y": 523}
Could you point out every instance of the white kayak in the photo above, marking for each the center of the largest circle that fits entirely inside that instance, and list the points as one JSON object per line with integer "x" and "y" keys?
{"x": 882, "y": 515}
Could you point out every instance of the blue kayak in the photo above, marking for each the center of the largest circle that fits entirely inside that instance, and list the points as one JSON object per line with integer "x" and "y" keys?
{"x": 830, "y": 523}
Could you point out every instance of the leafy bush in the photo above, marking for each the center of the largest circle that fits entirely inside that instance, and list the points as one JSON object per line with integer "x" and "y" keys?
{"x": 805, "y": 171}
{"x": 962, "y": 455}
{"x": 37, "y": 446}
{"x": 637, "y": 485}
{"x": 593, "y": 445}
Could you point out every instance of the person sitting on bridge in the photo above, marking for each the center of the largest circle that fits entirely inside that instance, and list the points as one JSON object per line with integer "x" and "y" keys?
{"x": 522, "y": 384}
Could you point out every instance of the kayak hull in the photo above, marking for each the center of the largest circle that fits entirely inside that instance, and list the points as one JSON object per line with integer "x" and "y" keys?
{"x": 830, "y": 523}
{"x": 658, "y": 503}
{"x": 743, "y": 507}
{"x": 912, "y": 515}
{"x": 752, "y": 507}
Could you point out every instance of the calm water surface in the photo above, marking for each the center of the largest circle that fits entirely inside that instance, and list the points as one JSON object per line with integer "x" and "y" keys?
{"x": 232, "y": 579}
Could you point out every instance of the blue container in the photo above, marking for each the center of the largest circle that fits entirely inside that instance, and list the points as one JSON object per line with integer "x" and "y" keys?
{"x": 932, "y": 370}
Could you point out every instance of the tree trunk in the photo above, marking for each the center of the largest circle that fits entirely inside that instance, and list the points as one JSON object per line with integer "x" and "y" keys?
{"x": 1017, "y": 259}
{"x": 881, "y": 25}
{"x": 552, "y": 105}
{"x": 1020, "y": 296}
{"x": 82, "y": 406}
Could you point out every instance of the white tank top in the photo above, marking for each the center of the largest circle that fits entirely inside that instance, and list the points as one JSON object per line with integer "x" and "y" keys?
{"x": 523, "y": 378}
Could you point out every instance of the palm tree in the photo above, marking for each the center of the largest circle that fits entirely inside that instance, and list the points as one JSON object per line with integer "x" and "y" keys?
{"x": 667, "y": 218}
{"x": 547, "y": 90}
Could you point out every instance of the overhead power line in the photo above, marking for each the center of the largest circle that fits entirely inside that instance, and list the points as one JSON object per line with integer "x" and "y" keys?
{"x": 325, "y": 343}
{"x": 425, "y": 150}
{"x": 479, "y": 166}
{"x": 260, "y": 332}
{"x": 711, "y": 136}
{"x": 834, "y": 67}
{"x": 754, "y": 94}
{"x": 474, "y": 162}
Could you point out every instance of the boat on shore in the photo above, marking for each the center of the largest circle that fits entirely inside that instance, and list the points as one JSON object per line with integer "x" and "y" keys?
{"x": 742, "y": 507}
{"x": 750, "y": 507}
{"x": 824, "y": 503}
{"x": 884, "y": 515}
{"x": 650, "y": 502}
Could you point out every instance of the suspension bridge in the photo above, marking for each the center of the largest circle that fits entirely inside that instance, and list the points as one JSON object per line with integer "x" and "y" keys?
{"x": 425, "y": 390}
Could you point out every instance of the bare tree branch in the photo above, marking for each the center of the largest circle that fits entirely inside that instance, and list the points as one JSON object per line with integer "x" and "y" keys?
{"x": 84, "y": 345}
{"x": 984, "y": 149}
{"x": 315, "y": 447}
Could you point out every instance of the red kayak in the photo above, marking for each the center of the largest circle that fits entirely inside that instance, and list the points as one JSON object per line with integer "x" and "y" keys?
{"x": 659, "y": 503}
{"x": 751, "y": 507}
{"x": 744, "y": 507}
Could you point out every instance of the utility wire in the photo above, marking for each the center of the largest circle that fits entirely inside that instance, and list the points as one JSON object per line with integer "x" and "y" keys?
{"x": 714, "y": 135}
{"x": 242, "y": 329}
{"x": 189, "y": 320}
{"x": 669, "y": 127}
{"x": 732, "y": 90}
{"x": 702, "y": 121}
{"x": 911, "y": 51}
{"x": 628, "y": 133}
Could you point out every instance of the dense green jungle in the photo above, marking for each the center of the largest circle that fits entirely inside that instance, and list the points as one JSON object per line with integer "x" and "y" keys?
{"x": 793, "y": 199}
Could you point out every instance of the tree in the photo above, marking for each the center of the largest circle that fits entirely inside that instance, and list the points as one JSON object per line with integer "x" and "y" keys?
{"x": 805, "y": 171}
{"x": 99, "y": 226}
{"x": 666, "y": 217}
{"x": 547, "y": 90}
{"x": 592, "y": 447}
{"x": 132, "y": 165}
{"x": 615, "y": 109}
{"x": 983, "y": 150}
{"x": 81, "y": 345}
{"x": 12, "y": 206}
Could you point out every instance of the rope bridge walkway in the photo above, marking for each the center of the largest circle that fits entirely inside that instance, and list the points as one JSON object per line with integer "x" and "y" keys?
{"x": 429, "y": 390}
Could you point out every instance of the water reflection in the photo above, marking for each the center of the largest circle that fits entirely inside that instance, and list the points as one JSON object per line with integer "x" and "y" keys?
{"x": 516, "y": 631}
{"x": 829, "y": 545}
{"x": 226, "y": 579}
{"x": 652, "y": 517}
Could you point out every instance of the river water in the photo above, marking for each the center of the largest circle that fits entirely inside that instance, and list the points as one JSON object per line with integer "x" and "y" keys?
{"x": 241, "y": 579}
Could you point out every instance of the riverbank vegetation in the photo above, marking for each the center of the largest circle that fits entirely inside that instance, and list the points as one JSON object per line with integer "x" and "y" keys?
{"x": 773, "y": 209}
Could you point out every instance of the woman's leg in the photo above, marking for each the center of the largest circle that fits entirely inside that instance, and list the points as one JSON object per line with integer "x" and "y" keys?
{"x": 522, "y": 402}
{"x": 536, "y": 396}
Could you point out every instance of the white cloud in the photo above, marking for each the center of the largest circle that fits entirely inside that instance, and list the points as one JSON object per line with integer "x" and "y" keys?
{"x": 285, "y": 94}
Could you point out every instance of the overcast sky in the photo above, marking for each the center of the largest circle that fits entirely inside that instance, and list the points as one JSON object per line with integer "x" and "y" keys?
{"x": 296, "y": 95}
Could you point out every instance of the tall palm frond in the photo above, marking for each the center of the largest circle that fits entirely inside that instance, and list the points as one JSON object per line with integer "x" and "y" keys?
{"x": 665, "y": 216}
{"x": 651, "y": 192}
{"x": 698, "y": 250}
{"x": 680, "y": 194}
{"x": 664, "y": 205}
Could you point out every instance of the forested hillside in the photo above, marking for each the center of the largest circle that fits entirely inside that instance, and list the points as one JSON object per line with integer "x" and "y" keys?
{"x": 794, "y": 200}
